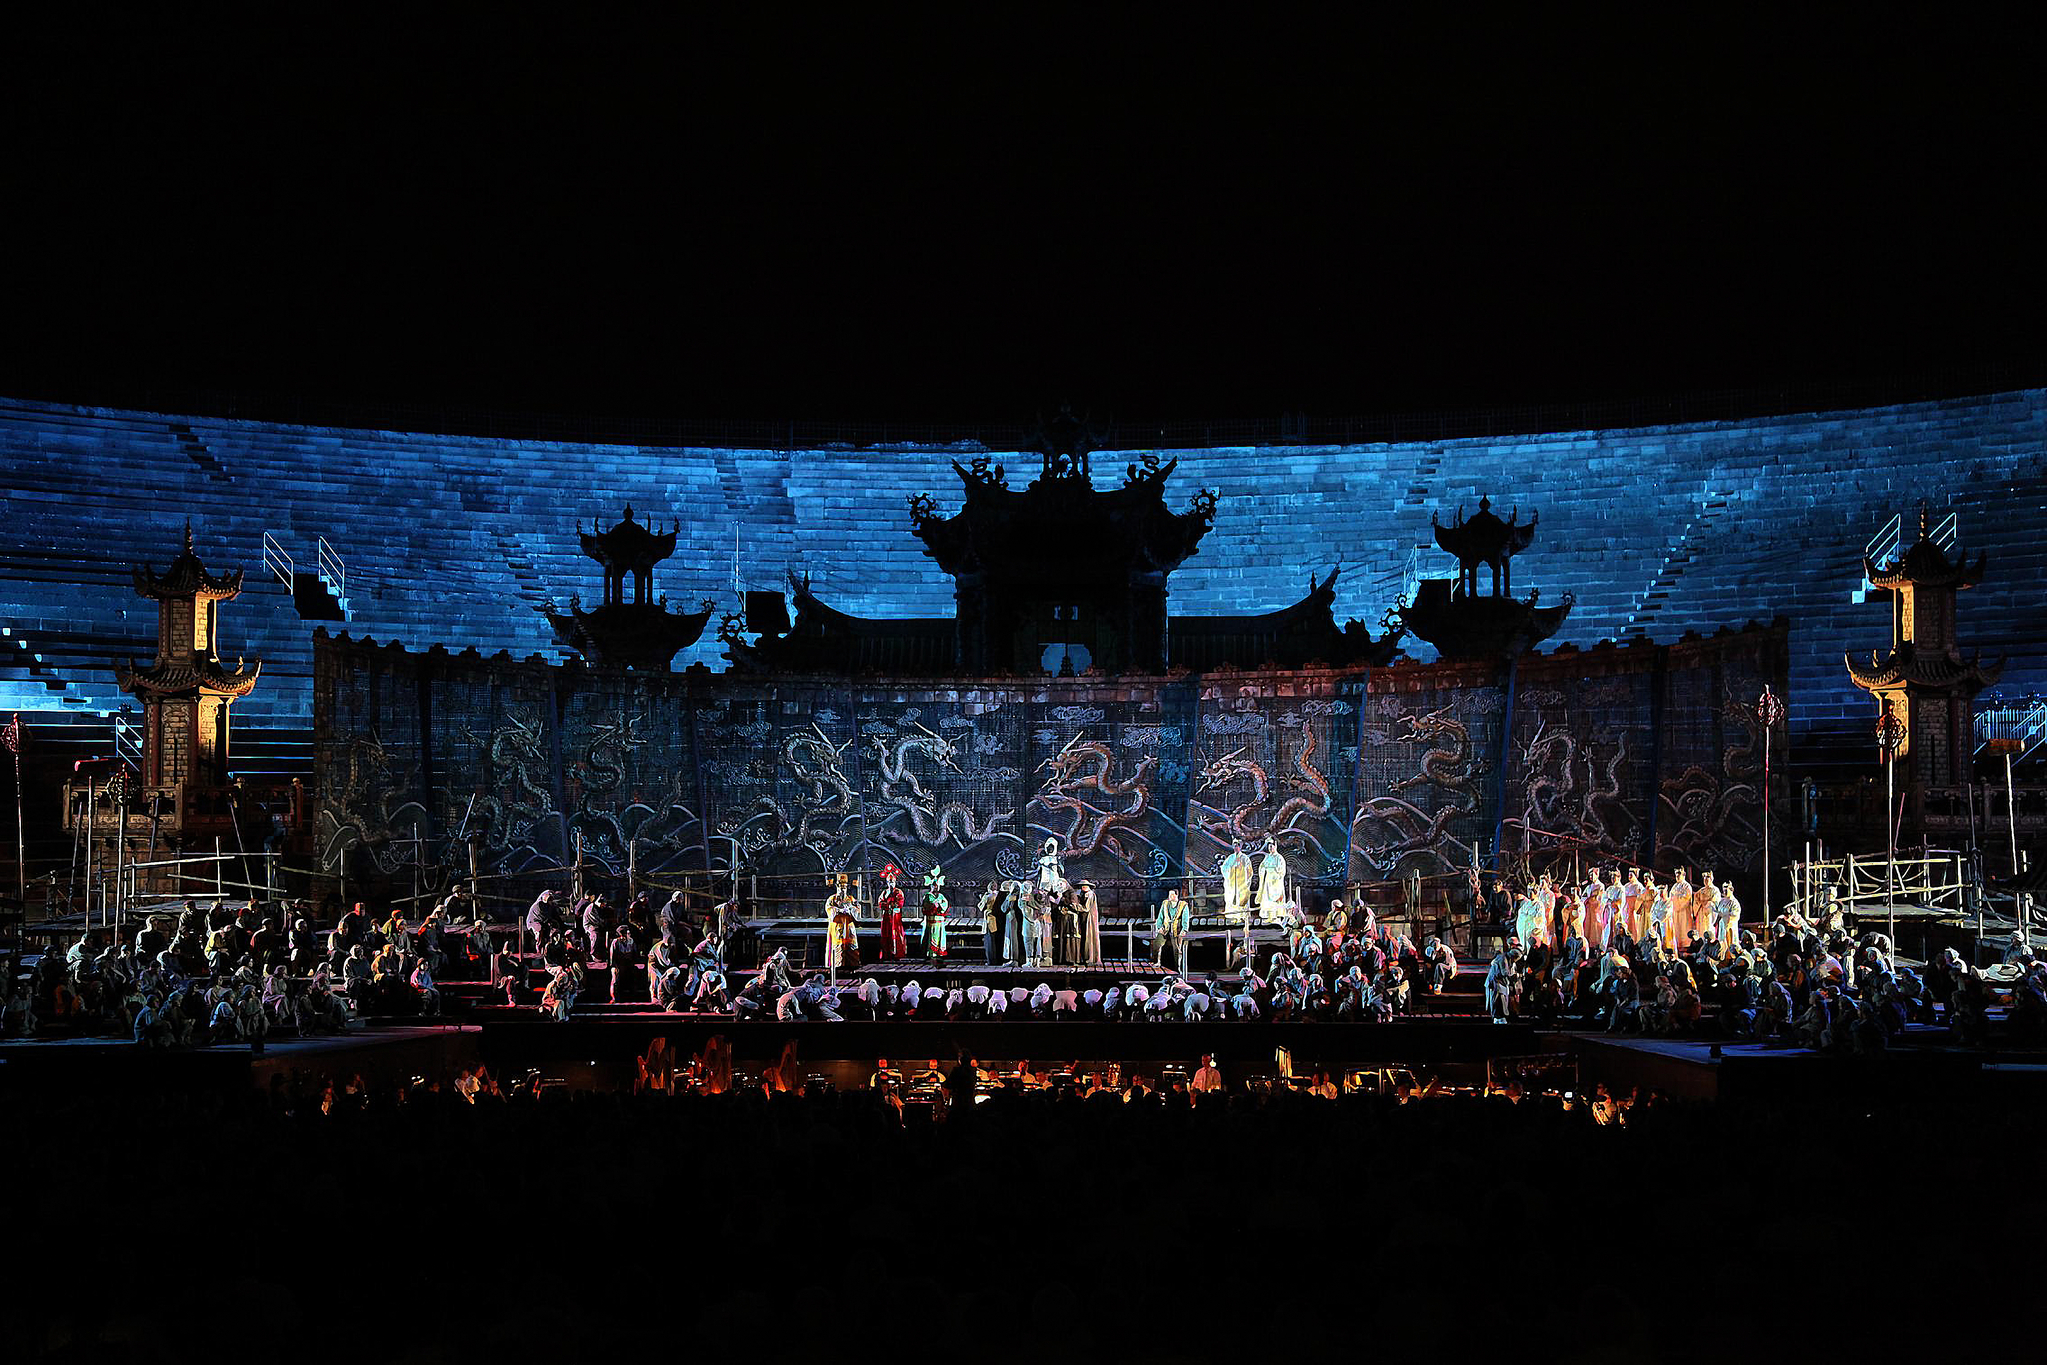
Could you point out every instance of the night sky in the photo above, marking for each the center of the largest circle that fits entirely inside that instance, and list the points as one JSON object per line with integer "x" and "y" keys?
{"x": 970, "y": 223}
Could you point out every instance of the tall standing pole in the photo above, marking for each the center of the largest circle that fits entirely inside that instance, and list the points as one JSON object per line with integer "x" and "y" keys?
{"x": 1769, "y": 710}
{"x": 118, "y": 792}
{"x": 1890, "y": 737}
{"x": 13, "y": 737}
{"x": 92, "y": 850}
{"x": 2011, "y": 812}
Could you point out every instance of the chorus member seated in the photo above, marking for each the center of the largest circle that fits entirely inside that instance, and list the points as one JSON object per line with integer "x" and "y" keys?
{"x": 1440, "y": 963}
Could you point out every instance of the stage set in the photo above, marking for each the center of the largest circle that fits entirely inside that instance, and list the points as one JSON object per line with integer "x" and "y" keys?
{"x": 1267, "y": 838}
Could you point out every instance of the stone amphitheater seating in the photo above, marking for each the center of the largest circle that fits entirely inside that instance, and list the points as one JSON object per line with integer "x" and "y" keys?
{"x": 459, "y": 540}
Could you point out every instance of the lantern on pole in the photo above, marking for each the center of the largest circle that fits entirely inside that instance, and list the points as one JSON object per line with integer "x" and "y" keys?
{"x": 1770, "y": 714}
{"x": 1890, "y": 737}
{"x": 117, "y": 796}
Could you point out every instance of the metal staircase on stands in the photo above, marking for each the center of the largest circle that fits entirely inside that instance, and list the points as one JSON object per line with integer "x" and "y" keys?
{"x": 321, "y": 595}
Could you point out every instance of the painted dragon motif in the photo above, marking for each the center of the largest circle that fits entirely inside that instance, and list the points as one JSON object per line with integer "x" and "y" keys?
{"x": 817, "y": 764}
{"x": 1080, "y": 783}
{"x": 1548, "y": 804}
{"x": 1451, "y": 766}
{"x": 1219, "y": 773}
{"x": 932, "y": 823}
{"x": 519, "y": 795}
{"x": 1713, "y": 818}
{"x": 365, "y": 812}
{"x": 599, "y": 772}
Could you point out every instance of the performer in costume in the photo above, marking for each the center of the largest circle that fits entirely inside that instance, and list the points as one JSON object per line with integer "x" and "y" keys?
{"x": 1051, "y": 871}
{"x": 894, "y": 946}
{"x": 1169, "y": 930}
{"x": 1090, "y": 926}
{"x": 1678, "y": 919}
{"x": 1037, "y": 917}
{"x": 934, "y": 908}
{"x": 1238, "y": 881}
{"x": 990, "y": 908}
{"x": 1727, "y": 920}
{"x": 1272, "y": 875}
{"x": 1070, "y": 951}
{"x": 1529, "y": 916}
{"x": 1016, "y": 947}
{"x": 1573, "y": 911}
{"x": 842, "y": 928}
{"x": 1704, "y": 901}
{"x": 1634, "y": 900}
{"x": 1333, "y": 924}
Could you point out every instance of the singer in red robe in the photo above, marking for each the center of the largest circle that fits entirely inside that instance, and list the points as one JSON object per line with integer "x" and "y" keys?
{"x": 895, "y": 946}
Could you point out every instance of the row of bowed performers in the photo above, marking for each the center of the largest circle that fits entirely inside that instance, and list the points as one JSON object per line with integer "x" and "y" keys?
{"x": 1604, "y": 905}
{"x": 1047, "y": 920}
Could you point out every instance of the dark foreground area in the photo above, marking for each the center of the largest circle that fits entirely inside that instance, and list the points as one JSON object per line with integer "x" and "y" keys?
{"x": 591, "y": 1225}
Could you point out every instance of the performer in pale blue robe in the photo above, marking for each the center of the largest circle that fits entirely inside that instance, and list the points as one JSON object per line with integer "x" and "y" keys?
{"x": 1014, "y": 948}
{"x": 1272, "y": 874}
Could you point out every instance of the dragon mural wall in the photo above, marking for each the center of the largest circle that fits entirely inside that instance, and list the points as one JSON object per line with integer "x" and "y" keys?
{"x": 1709, "y": 793}
{"x": 1276, "y": 757}
{"x": 1361, "y": 775}
{"x": 1580, "y": 765}
{"x": 1429, "y": 773}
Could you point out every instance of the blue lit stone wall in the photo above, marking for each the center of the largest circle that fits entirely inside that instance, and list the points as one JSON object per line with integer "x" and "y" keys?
{"x": 460, "y": 540}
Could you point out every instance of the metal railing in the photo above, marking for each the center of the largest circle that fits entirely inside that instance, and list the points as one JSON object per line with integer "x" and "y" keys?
{"x": 127, "y": 743}
{"x": 2023, "y": 723}
{"x": 1889, "y": 540}
{"x": 334, "y": 571}
{"x": 278, "y": 560}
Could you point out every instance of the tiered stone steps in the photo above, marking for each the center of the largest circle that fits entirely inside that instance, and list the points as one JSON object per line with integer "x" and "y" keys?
{"x": 456, "y": 540}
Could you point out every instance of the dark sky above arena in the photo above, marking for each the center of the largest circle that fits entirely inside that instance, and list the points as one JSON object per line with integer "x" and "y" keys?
{"x": 1178, "y": 214}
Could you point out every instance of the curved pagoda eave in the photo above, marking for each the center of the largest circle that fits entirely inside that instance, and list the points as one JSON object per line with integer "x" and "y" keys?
{"x": 176, "y": 679}
{"x": 187, "y": 577}
{"x": 1906, "y": 668}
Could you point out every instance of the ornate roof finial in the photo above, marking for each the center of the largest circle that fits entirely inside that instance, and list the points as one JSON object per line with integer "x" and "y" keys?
{"x": 188, "y": 535}
{"x": 1922, "y": 519}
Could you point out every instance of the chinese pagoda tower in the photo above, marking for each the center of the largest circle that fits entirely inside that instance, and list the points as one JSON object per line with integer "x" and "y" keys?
{"x": 640, "y": 634}
{"x": 186, "y": 693}
{"x": 1923, "y": 677}
{"x": 1461, "y": 622}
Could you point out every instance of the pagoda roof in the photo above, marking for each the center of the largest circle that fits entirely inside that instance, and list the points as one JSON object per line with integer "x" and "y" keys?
{"x": 170, "y": 679}
{"x": 1062, "y": 528}
{"x": 824, "y": 639}
{"x": 1484, "y": 538}
{"x": 1924, "y": 564}
{"x": 1303, "y": 632}
{"x": 187, "y": 577}
{"x": 1908, "y": 666}
{"x": 1469, "y": 627}
{"x": 629, "y": 544}
{"x": 643, "y": 635}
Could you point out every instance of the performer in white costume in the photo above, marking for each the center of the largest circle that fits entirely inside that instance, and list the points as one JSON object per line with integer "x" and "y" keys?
{"x": 1272, "y": 896}
{"x": 1051, "y": 874}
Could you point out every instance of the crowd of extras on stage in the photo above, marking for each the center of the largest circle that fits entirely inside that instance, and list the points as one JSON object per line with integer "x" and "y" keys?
{"x": 1618, "y": 950}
